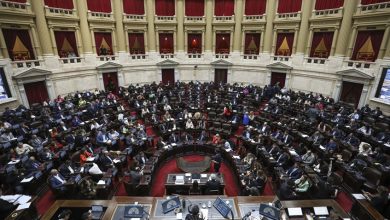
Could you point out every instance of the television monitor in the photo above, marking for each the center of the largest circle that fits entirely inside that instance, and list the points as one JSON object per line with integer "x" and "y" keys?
{"x": 97, "y": 211}
{"x": 134, "y": 211}
{"x": 221, "y": 207}
{"x": 321, "y": 211}
{"x": 294, "y": 212}
{"x": 269, "y": 211}
{"x": 171, "y": 204}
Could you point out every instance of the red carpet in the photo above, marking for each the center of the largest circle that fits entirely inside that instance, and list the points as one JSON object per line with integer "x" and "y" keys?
{"x": 158, "y": 188}
{"x": 344, "y": 201}
{"x": 44, "y": 203}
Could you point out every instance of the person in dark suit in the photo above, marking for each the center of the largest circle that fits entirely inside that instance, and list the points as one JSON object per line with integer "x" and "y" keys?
{"x": 283, "y": 159}
{"x": 106, "y": 161}
{"x": 5, "y": 207}
{"x": 135, "y": 176}
{"x": 67, "y": 169}
{"x": 379, "y": 200}
{"x": 295, "y": 172}
{"x": 287, "y": 139}
{"x": 174, "y": 138}
{"x": 57, "y": 181}
{"x": 217, "y": 160}
{"x": 212, "y": 183}
{"x": 187, "y": 137}
{"x": 203, "y": 136}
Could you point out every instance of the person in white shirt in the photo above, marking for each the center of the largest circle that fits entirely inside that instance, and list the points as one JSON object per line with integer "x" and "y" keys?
{"x": 167, "y": 107}
{"x": 94, "y": 125}
{"x": 23, "y": 148}
{"x": 189, "y": 124}
{"x": 227, "y": 146}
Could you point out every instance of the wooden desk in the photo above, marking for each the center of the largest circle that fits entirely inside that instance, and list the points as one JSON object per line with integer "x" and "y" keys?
{"x": 363, "y": 209}
{"x": 314, "y": 203}
{"x": 172, "y": 188}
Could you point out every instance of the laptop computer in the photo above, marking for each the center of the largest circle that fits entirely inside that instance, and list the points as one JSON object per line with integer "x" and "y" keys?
{"x": 171, "y": 204}
{"x": 134, "y": 211}
{"x": 294, "y": 212}
{"x": 222, "y": 207}
{"x": 269, "y": 212}
{"x": 321, "y": 211}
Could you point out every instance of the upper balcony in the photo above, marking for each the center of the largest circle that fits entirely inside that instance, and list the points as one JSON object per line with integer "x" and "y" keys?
{"x": 100, "y": 16}
{"x": 288, "y": 17}
{"x": 134, "y": 18}
{"x": 223, "y": 19}
{"x": 334, "y": 13}
{"x": 197, "y": 20}
{"x": 15, "y": 7}
{"x": 165, "y": 19}
{"x": 254, "y": 19}
{"x": 62, "y": 13}
{"x": 378, "y": 8}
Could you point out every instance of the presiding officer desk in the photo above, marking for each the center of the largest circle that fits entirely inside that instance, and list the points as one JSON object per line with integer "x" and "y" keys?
{"x": 114, "y": 208}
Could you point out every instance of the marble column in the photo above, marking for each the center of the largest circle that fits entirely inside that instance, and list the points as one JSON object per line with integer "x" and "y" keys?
{"x": 237, "y": 27}
{"x": 151, "y": 29}
{"x": 269, "y": 27}
{"x": 307, "y": 6}
{"x": 120, "y": 34}
{"x": 180, "y": 25}
{"x": 86, "y": 36}
{"x": 42, "y": 27}
{"x": 209, "y": 26}
{"x": 344, "y": 35}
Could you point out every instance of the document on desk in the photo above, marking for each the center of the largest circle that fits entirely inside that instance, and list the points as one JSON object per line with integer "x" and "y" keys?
{"x": 179, "y": 180}
{"x": 116, "y": 160}
{"x": 304, "y": 135}
{"x": 27, "y": 180}
{"x": 236, "y": 157}
{"x": 101, "y": 182}
{"x": 358, "y": 196}
{"x": 179, "y": 215}
{"x": 13, "y": 162}
{"x": 322, "y": 147}
{"x": 204, "y": 213}
{"x": 23, "y": 206}
{"x": 203, "y": 175}
{"x": 90, "y": 159}
{"x": 23, "y": 199}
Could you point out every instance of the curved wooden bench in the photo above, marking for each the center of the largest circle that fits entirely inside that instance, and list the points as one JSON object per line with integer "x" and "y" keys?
{"x": 193, "y": 167}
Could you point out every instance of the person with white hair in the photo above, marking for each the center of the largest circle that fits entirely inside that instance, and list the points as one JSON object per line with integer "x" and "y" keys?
{"x": 212, "y": 184}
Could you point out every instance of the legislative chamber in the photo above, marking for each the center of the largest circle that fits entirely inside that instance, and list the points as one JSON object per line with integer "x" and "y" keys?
{"x": 194, "y": 109}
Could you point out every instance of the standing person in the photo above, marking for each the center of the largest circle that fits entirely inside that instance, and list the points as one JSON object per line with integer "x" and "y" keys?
{"x": 217, "y": 160}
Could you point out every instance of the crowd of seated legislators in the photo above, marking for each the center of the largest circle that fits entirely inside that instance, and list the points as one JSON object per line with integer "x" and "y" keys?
{"x": 311, "y": 146}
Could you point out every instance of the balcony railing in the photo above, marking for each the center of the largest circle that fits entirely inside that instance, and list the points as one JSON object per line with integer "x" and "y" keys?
{"x": 250, "y": 56}
{"x": 71, "y": 60}
{"x": 315, "y": 60}
{"x": 373, "y": 8}
{"x": 99, "y": 15}
{"x": 281, "y": 58}
{"x": 138, "y": 56}
{"x": 334, "y": 12}
{"x": 194, "y": 55}
{"x": 49, "y": 11}
{"x": 27, "y": 63}
{"x": 224, "y": 19}
{"x": 358, "y": 64}
{"x": 134, "y": 18}
{"x": 167, "y": 55}
{"x": 294, "y": 16}
{"x": 194, "y": 19}
{"x": 165, "y": 19}
{"x": 107, "y": 58}
{"x": 222, "y": 55}
{"x": 254, "y": 18}
{"x": 15, "y": 6}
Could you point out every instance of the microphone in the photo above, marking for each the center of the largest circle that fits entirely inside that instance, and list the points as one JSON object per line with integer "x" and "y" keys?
{"x": 247, "y": 215}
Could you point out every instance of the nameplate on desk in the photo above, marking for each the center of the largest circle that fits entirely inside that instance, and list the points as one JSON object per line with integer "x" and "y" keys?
{"x": 174, "y": 144}
{"x": 322, "y": 147}
{"x": 101, "y": 182}
{"x": 27, "y": 180}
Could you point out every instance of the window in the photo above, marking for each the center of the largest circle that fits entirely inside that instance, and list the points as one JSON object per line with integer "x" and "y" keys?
{"x": 4, "y": 88}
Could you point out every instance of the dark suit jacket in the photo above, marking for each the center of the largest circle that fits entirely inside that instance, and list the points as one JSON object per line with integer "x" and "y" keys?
{"x": 212, "y": 185}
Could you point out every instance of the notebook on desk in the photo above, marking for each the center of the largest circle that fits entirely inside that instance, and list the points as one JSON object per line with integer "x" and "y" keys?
{"x": 294, "y": 212}
{"x": 321, "y": 211}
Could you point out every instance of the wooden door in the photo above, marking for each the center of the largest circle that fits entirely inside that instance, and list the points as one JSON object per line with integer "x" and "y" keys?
{"x": 168, "y": 76}
{"x": 110, "y": 81}
{"x": 278, "y": 78}
{"x": 220, "y": 75}
{"x": 36, "y": 92}
{"x": 351, "y": 93}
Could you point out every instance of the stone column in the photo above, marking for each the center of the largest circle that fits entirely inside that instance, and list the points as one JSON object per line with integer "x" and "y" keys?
{"x": 53, "y": 40}
{"x": 237, "y": 28}
{"x": 335, "y": 35}
{"x": 384, "y": 42}
{"x": 387, "y": 52}
{"x": 269, "y": 29}
{"x": 294, "y": 49}
{"x": 308, "y": 43}
{"x": 180, "y": 25}
{"x": 351, "y": 41}
{"x": 36, "y": 43}
{"x": 3, "y": 46}
{"x": 345, "y": 29}
{"x": 43, "y": 31}
{"x": 86, "y": 36}
{"x": 150, "y": 20}
{"x": 120, "y": 34}
{"x": 307, "y": 6}
{"x": 209, "y": 26}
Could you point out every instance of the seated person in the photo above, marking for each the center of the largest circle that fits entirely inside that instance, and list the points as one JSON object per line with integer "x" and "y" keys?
{"x": 195, "y": 189}
{"x": 174, "y": 138}
{"x": 283, "y": 159}
{"x": 379, "y": 200}
{"x": 57, "y": 181}
{"x": 331, "y": 146}
{"x": 37, "y": 141}
{"x": 226, "y": 146}
{"x": 84, "y": 155}
{"x": 135, "y": 175}
{"x": 189, "y": 124}
{"x": 294, "y": 172}
{"x": 256, "y": 184}
{"x": 67, "y": 169}
{"x": 364, "y": 149}
{"x": 352, "y": 140}
{"x": 203, "y": 136}
{"x": 95, "y": 170}
{"x": 216, "y": 139}
{"x": 87, "y": 187}
{"x": 302, "y": 184}
{"x": 308, "y": 158}
{"x": 212, "y": 184}
{"x": 186, "y": 137}
{"x": 316, "y": 138}
{"x": 265, "y": 129}
{"x": 320, "y": 167}
{"x": 106, "y": 161}
{"x": 23, "y": 149}
{"x": 194, "y": 213}
{"x": 365, "y": 130}
{"x": 65, "y": 215}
